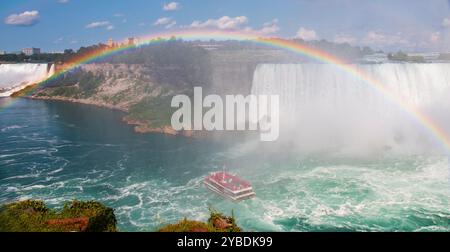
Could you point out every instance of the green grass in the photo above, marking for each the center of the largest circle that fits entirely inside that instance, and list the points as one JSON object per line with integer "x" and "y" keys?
{"x": 155, "y": 111}
{"x": 188, "y": 226}
{"x": 67, "y": 91}
{"x": 87, "y": 84}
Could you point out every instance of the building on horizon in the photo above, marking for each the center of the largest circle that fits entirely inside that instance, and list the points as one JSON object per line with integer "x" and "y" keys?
{"x": 2, "y": 52}
{"x": 31, "y": 51}
{"x": 111, "y": 43}
{"x": 131, "y": 41}
{"x": 210, "y": 46}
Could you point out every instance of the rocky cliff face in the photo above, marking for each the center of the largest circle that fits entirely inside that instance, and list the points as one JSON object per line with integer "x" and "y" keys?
{"x": 111, "y": 85}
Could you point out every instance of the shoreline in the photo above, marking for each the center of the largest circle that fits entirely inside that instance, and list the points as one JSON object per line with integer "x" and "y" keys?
{"x": 79, "y": 101}
{"x": 140, "y": 127}
{"x": 143, "y": 128}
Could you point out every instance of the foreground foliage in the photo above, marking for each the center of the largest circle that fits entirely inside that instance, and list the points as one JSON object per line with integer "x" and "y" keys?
{"x": 75, "y": 216}
{"x": 217, "y": 222}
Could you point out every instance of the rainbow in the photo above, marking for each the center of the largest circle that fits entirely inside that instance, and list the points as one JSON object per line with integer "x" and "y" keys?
{"x": 288, "y": 45}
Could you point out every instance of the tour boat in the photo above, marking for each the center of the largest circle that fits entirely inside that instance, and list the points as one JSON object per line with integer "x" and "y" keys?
{"x": 229, "y": 186}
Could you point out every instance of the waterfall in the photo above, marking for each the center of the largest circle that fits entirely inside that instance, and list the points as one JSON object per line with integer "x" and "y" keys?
{"x": 51, "y": 70}
{"x": 14, "y": 77}
{"x": 324, "y": 105}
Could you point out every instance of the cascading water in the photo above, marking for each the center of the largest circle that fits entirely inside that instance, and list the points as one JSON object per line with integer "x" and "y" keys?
{"x": 328, "y": 108}
{"x": 51, "y": 70}
{"x": 14, "y": 77}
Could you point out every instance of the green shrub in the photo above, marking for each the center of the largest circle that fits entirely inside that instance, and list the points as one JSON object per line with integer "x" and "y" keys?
{"x": 34, "y": 216}
{"x": 101, "y": 218}
{"x": 215, "y": 215}
{"x": 156, "y": 111}
{"x": 210, "y": 226}
{"x": 188, "y": 226}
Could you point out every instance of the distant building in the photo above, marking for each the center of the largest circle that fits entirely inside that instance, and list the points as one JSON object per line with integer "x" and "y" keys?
{"x": 210, "y": 47}
{"x": 31, "y": 51}
{"x": 131, "y": 41}
{"x": 429, "y": 56}
{"x": 2, "y": 52}
{"x": 111, "y": 43}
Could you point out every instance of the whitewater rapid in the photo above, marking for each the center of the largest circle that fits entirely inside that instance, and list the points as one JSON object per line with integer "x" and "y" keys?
{"x": 15, "y": 77}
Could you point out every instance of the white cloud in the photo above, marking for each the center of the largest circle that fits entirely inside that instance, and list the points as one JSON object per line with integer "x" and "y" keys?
{"x": 58, "y": 40}
{"x": 167, "y": 22}
{"x": 382, "y": 39}
{"x": 26, "y": 18}
{"x": 344, "y": 38}
{"x": 171, "y": 6}
{"x": 306, "y": 34}
{"x": 446, "y": 22}
{"x": 63, "y": 1}
{"x": 435, "y": 37}
{"x": 110, "y": 27}
{"x": 162, "y": 21}
{"x": 98, "y": 24}
{"x": 236, "y": 24}
{"x": 223, "y": 23}
{"x": 171, "y": 24}
{"x": 375, "y": 37}
{"x": 121, "y": 16}
{"x": 270, "y": 27}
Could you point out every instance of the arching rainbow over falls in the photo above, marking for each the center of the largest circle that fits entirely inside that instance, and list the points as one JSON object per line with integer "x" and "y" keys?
{"x": 289, "y": 45}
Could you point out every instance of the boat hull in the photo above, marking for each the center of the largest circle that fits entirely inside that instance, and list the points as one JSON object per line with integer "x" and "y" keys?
{"x": 224, "y": 192}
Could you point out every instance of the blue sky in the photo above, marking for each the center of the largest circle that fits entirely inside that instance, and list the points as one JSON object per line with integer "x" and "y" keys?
{"x": 54, "y": 25}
